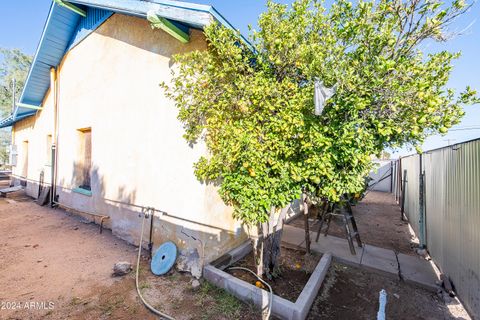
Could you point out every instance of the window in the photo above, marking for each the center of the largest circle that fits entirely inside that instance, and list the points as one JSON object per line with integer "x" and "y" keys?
{"x": 48, "y": 151}
{"x": 84, "y": 159}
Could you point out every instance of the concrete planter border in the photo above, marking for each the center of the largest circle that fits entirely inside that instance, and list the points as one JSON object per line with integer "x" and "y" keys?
{"x": 244, "y": 291}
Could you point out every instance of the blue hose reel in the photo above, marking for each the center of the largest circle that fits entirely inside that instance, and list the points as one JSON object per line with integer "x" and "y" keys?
{"x": 164, "y": 258}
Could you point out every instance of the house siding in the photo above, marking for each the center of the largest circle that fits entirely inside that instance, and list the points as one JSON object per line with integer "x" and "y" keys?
{"x": 109, "y": 82}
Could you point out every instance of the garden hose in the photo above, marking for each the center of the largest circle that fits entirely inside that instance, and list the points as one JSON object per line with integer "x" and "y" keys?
{"x": 161, "y": 314}
{"x": 269, "y": 310}
{"x": 152, "y": 309}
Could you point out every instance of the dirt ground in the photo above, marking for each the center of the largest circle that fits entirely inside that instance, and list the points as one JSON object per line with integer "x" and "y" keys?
{"x": 378, "y": 221}
{"x": 54, "y": 266}
{"x": 353, "y": 293}
{"x": 295, "y": 268}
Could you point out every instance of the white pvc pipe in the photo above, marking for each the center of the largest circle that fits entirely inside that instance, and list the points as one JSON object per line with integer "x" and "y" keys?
{"x": 382, "y": 305}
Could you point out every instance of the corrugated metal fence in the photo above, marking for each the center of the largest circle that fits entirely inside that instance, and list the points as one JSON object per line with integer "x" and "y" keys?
{"x": 449, "y": 222}
{"x": 381, "y": 177}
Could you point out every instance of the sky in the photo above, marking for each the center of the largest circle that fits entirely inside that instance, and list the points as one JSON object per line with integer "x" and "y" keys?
{"x": 22, "y": 23}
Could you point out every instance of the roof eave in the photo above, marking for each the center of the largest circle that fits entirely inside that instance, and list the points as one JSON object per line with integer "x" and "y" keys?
{"x": 192, "y": 15}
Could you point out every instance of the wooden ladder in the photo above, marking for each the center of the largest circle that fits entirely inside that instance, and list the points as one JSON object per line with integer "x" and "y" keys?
{"x": 333, "y": 210}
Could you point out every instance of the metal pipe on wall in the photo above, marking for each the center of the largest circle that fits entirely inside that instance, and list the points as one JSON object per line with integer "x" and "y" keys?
{"x": 54, "y": 92}
{"x": 102, "y": 217}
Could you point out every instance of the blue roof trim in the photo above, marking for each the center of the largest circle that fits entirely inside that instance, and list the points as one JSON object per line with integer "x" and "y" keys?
{"x": 64, "y": 29}
{"x": 95, "y": 17}
{"x": 192, "y": 15}
{"x": 56, "y": 36}
{"x": 7, "y": 122}
{"x": 184, "y": 5}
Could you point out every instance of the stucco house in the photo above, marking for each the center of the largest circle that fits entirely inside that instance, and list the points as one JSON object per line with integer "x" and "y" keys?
{"x": 93, "y": 122}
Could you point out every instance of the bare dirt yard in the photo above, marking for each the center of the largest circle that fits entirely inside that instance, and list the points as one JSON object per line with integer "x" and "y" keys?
{"x": 56, "y": 266}
{"x": 378, "y": 221}
{"x": 353, "y": 293}
{"x": 295, "y": 270}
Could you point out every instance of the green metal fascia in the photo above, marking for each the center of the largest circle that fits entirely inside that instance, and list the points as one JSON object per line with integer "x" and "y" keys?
{"x": 28, "y": 106}
{"x": 167, "y": 26}
{"x": 72, "y": 7}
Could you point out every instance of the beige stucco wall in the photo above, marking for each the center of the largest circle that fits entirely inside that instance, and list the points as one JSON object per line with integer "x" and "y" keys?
{"x": 110, "y": 82}
{"x": 34, "y": 131}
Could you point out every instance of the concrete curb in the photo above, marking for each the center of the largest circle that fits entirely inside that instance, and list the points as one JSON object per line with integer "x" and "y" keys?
{"x": 309, "y": 293}
{"x": 281, "y": 308}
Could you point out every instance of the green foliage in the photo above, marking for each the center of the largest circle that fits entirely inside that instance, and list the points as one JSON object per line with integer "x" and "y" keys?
{"x": 253, "y": 107}
{"x": 14, "y": 65}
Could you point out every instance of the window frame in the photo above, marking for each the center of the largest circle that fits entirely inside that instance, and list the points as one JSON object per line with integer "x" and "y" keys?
{"x": 83, "y": 168}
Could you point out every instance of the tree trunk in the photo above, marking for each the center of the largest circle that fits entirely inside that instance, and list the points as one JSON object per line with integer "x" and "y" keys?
{"x": 307, "y": 226}
{"x": 267, "y": 245}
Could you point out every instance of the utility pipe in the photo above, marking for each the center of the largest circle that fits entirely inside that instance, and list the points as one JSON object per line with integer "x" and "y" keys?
{"x": 160, "y": 212}
{"x": 147, "y": 213}
{"x": 54, "y": 91}
{"x": 150, "y": 242}
{"x": 382, "y": 303}
{"x": 102, "y": 217}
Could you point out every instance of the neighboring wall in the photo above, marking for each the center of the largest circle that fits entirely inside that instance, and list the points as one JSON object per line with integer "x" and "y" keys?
{"x": 451, "y": 214}
{"x": 109, "y": 82}
{"x": 381, "y": 176}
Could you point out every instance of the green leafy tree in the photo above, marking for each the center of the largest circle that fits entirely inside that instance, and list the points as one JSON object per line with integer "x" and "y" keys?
{"x": 15, "y": 65}
{"x": 253, "y": 106}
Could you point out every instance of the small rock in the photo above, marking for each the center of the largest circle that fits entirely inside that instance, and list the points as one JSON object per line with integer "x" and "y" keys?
{"x": 75, "y": 228}
{"x": 121, "y": 268}
{"x": 27, "y": 245}
{"x": 35, "y": 246}
{"x": 396, "y": 296}
{"x": 195, "y": 284}
{"x": 39, "y": 260}
{"x": 189, "y": 261}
